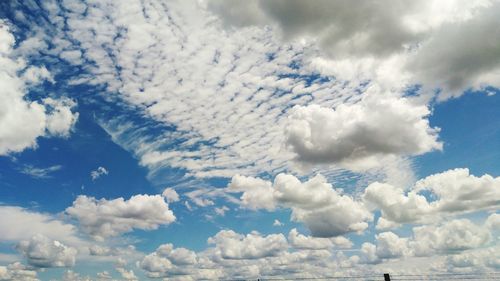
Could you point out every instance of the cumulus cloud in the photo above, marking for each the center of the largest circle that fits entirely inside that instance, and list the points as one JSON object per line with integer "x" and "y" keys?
{"x": 453, "y": 192}
{"x": 41, "y": 251}
{"x": 449, "y": 237}
{"x": 97, "y": 173}
{"x": 127, "y": 274}
{"x": 22, "y": 120}
{"x": 105, "y": 218}
{"x": 415, "y": 35}
{"x": 360, "y": 135}
{"x": 17, "y": 271}
{"x": 21, "y": 224}
{"x": 170, "y": 195}
{"x": 232, "y": 245}
{"x": 324, "y": 210}
{"x": 167, "y": 259}
{"x": 300, "y": 241}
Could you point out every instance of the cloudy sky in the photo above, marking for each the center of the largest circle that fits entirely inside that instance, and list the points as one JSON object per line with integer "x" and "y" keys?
{"x": 187, "y": 140}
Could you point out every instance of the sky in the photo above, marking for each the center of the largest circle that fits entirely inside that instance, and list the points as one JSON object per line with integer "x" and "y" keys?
{"x": 214, "y": 139}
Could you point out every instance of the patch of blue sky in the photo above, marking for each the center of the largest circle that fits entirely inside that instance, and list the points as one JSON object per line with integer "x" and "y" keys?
{"x": 470, "y": 132}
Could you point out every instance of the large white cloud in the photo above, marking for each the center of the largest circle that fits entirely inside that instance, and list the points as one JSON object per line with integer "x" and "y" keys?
{"x": 41, "y": 251}
{"x": 21, "y": 224}
{"x": 454, "y": 192}
{"x": 424, "y": 40}
{"x": 455, "y": 237}
{"x": 159, "y": 55}
{"x": 324, "y": 210}
{"x": 169, "y": 260}
{"x": 22, "y": 121}
{"x": 231, "y": 245}
{"x": 361, "y": 135}
{"x": 301, "y": 241}
{"x": 105, "y": 218}
{"x": 450, "y": 237}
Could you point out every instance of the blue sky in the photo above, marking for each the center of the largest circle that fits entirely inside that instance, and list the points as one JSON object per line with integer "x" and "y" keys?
{"x": 145, "y": 140}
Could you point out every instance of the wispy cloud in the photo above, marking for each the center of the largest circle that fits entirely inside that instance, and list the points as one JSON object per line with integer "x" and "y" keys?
{"x": 40, "y": 173}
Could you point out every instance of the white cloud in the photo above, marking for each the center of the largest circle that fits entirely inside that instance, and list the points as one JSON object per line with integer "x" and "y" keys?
{"x": 450, "y": 237}
{"x": 390, "y": 245}
{"x": 40, "y": 173}
{"x": 17, "y": 272}
{"x": 97, "y": 173}
{"x": 22, "y": 121}
{"x": 235, "y": 123}
{"x": 167, "y": 259}
{"x": 367, "y": 37}
{"x": 41, "y": 251}
{"x": 361, "y": 135}
{"x": 170, "y": 195}
{"x": 105, "y": 218}
{"x": 231, "y": 245}
{"x": 104, "y": 275}
{"x": 277, "y": 223}
{"x": 300, "y": 241}
{"x": 221, "y": 211}
{"x": 452, "y": 192}
{"x": 21, "y": 224}
{"x": 127, "y": 274}
{"x": 324, "y": 210}
{"x": 257, "y": 193}
{"x": 493, "y": 221}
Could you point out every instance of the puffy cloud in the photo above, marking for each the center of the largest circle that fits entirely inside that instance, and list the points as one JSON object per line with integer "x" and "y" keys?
{"x": 104, "y": 218}
{"x": 360, "y": 135}
{"x": 167, "y": 259}
{"x": 454, "y": 192}
{"x": 178, "y": 256}
{"x": 97, "y": 173}
{"x": 126, "y": 274}
{"x": 231, "y": 245}
{"x": 458, "y": 190}
{"x": 300, "y": 241}
{"x": 18, "y": 272}
{"x": 170, "y": 195}
{"x": 452, "y": 236}
{"x": 323, "y": 209}
{"x": 493, "y": 221}
{"x": 41, "y": 251}
{"x": 476, "y": 259}
{"x": 390, "y": 245}
{"x": 257, "y": 193}
{"x": 22, "y": 121}
{"x": 415, "y": 36}
{"x": 21, "y": 224}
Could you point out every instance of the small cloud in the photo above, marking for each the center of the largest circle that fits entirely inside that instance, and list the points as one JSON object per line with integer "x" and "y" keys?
{"x": 40, "y": 173}
{"x": 277, "y": 223}
{"x": 188, "y": 206}
{"x": 221, "y": 211}
{"x": 170, "y": 195}
{"x": 97, "y": 173}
